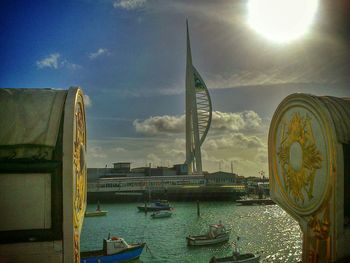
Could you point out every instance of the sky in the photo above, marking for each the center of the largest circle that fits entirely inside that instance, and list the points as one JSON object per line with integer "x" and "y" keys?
{"x": 129, "y": 57}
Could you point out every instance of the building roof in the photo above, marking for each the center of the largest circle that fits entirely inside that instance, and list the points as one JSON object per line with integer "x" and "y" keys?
{"x": 221, "y": 175}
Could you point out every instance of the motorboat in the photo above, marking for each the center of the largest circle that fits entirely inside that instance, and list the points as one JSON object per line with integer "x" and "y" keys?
{"x": 97, "y": 212}
{"x": 155, "y": 206}
{"x": 237, "y": 258}
{"x": 217, "y": 234}
{"x": 115, "y": 249}
{"x": 161, "y": 214}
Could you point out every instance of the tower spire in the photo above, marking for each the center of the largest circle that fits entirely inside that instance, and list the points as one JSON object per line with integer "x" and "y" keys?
{"x": 198, "y": 113}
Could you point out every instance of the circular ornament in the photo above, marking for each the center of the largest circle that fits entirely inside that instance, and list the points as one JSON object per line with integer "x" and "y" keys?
{"x": 302, "y": 156}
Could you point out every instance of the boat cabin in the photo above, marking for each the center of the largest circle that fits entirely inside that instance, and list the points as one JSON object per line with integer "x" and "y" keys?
{"x": 114, "y": 245}
{"x": 162, "y": 202}
{"x": 216, "y": 229}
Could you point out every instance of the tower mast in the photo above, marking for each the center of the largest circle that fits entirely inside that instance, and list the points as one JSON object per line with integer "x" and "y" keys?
{"x": 198, "y": 113}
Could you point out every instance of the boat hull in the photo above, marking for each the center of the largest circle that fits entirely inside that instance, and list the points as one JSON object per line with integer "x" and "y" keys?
{"x": 244, "y": 258}
{"x": 205, "y": 240}
{"x": 95, "y": 213}
{"x": 161, "y": 215}
{"x": 153, "y": 208}
{"x": 124, "y": 256}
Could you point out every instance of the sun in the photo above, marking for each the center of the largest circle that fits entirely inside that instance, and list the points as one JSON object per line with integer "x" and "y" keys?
{"x": 281, "y": 20}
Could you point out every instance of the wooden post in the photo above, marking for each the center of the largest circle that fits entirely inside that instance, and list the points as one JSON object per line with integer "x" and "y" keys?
{"x": 198, "y": 209}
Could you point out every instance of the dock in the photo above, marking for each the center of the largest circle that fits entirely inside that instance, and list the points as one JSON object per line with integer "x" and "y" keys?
{"x": 263, "y": 201}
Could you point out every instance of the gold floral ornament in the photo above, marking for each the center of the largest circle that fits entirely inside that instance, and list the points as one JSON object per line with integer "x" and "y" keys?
{"x": 79, "y": 164}
{"x": 320, "y": 226}
{"x": 299, "y": 157}
{"x": 80, "y": 177}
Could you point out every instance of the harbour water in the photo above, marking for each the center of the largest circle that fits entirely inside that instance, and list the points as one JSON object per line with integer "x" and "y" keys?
{"x": 260, "y": 228}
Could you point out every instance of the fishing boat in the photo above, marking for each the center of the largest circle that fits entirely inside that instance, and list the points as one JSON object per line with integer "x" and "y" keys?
{"x": 115, "y": 249}
{"x": 237, "y": 257}
{"x": 161, "y": 214}
{"x": 217, "y": 234}
{"x": 97, "y": 212}
{"x": 155, "y": 206}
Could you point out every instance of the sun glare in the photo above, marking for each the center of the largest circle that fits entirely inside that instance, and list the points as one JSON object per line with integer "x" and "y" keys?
{"x": 281, "y": 20}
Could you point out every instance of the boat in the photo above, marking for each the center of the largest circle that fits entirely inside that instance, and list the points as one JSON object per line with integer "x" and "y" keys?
{"x": 217, "y": 234}
{"x": 237, "y": 258}
{"x": 161, "y": 214}
{"x": 97, "y": 212}
{"x": 155, "y": 206}
{"x": 115, "y": 249}
{"x": 255, "y": 201}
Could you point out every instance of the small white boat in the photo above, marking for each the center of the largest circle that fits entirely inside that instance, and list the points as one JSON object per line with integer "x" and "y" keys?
{"x": 95, "y": 213}
{"x": 217, "y": 234}
{"x": 161, "y": 214}
{"x": 237, "y": 257}
{"x": 155, "y": 206}
{"x": 98, "y": 212}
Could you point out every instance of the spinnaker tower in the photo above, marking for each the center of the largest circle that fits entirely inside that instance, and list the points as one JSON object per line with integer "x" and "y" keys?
{"x": 198, "y": 113}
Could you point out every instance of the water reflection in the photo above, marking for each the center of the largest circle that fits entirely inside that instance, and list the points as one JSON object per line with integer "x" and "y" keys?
{"x": 260, "y": 228}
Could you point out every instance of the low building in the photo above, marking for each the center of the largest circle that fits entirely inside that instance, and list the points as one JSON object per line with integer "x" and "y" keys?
{"x": 221, "y": 178}
{"x": 121, "y": 167}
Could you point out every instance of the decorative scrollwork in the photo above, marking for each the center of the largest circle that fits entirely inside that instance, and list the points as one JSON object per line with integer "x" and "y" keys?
{"x": 79, "y": 165}
{"x": 299, "y": 157}
{"x": 79, "y": 199}
{"x": 320, "y": 225}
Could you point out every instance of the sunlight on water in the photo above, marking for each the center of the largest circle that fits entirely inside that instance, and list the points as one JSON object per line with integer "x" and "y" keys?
{"x": 260, "y": 228}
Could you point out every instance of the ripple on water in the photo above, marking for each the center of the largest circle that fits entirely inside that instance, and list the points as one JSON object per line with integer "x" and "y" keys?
{"x": 260, "y": 228}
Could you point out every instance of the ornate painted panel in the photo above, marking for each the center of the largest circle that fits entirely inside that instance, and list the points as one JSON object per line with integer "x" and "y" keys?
{"x": 306, "y": 166}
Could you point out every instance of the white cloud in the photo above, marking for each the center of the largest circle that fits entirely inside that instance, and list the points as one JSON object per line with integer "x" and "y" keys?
{"x": 234, "y": 141}
{"x": 55, "y": 61}
{"x": 153, "y": 158}
{"x": 51, "y": 61}
{"x": 98, "y": 53}
{"x": 69, "y": 65}
{"x": 248, "y": 157}
{"x": 96, "y": 152}
{"x": 262, "y": 155}
{"x": 118, "y": 149}
{"x": 87, "y": 101}
{"x": 221, "y": 122}
{"x": 129, "y": 4}
{"x": 235, "y": 121}
{"x": 160, "y": 125}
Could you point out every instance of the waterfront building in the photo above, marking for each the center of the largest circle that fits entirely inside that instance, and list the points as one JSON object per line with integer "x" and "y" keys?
{"x": 121, "y": 167}
{"x": 221, "y": 178}
{"x": 177, "y": 187}
{"x": 110, "y": 184}
{"x": 124, "y": 170}
{"x": 198, "y": 113}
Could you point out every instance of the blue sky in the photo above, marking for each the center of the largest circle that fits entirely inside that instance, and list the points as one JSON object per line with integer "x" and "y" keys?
{"x": 129, "y": 57}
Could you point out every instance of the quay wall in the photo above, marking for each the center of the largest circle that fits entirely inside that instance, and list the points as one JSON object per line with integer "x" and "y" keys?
{"x": 202, "y": 193}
